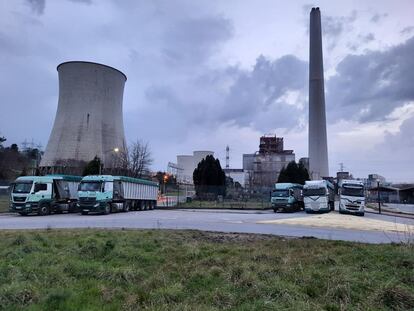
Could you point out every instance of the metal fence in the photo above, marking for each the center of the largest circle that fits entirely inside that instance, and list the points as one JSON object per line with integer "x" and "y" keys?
{"x": 212, "y": 197}
{"x": 4, "y": 196}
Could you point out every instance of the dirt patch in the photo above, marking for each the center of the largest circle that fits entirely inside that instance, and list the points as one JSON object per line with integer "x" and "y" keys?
{"x": 335, "y": 220}
{"x": 223, "y": 237}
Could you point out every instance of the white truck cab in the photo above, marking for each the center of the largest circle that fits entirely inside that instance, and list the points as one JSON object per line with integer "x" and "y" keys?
{"x": 351, "y": 197}
{"x": 318, "y": 196}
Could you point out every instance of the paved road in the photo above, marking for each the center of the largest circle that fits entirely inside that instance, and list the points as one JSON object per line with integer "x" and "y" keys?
{"x": 218, "y": 220}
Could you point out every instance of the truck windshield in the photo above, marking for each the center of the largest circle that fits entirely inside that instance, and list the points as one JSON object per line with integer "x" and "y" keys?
{"x": 313, "y": 192}
{"x": 90, "y": 186}
{"x": 280, "y": 193}
{"x": 21, "y": 187}
{"x": 353, "y": 191}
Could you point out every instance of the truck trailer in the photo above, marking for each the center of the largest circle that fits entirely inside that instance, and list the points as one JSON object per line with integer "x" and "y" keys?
{"x": 318, "y": 196}
{"x": 44, "y": 194}
{"x": 287, "y": 197}
{"x": 106, "y": 193}
{"x": 351, "y": 197}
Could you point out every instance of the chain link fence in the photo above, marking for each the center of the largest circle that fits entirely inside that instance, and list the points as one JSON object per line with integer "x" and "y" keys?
{"x": 4, "y": 196}
{"x": 213, "y": 197}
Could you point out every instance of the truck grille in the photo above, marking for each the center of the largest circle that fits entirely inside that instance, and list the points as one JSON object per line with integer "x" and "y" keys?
{"x": 280, "y": 201}
{"x": 19, "y": 199}
{"x": 87, "y": 201}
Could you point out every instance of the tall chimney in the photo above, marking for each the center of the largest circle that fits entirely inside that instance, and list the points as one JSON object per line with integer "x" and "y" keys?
{"x": 318, "y": 148}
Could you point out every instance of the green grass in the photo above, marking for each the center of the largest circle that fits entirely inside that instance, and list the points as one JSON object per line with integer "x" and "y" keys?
{"x": 191, "y": 270}
{"x": 4, "y": 203}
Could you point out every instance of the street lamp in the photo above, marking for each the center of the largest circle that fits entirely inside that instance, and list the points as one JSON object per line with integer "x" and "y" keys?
{"x": 116, "y": 150}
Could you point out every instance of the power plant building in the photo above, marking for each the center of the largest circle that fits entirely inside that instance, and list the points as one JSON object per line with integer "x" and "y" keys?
{"x": 318, "y": 146}
{"x": 89, "y": 120}
{"x": 186, "y": 164}
{"x": 263, "y": 167}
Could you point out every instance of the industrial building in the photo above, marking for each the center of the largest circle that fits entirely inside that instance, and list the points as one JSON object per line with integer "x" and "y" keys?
{"x": 89, "y": 120}
{"x": 186, "y": 164}
{"x": 237, "y": 174}
{"x": 263, "y": 167}
{"x": 318, "y": 146}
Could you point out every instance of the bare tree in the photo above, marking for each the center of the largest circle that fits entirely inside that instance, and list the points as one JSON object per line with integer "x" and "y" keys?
{"x": 140, "y": 159}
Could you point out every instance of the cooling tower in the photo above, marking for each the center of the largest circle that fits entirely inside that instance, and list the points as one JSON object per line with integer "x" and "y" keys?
{"x": 89, "y": 119}
{"x": 318, "y": 148}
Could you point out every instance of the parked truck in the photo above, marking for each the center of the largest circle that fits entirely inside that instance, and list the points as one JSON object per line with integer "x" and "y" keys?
{"x": 352, "y": 197}
{"x": 106, "y": 193}
{"x": 44, "y": 194}
{"x": 318, "y": 196}
{"x": 287, "y": 197}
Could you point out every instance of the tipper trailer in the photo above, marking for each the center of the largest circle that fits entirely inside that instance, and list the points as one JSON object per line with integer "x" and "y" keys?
{"x": 352, "y": 197}
{"x": 287, "y": 197}
{"x": 318, "y": 196}
{"x": 107, "y": 193}
{"x": 44, "y": 194}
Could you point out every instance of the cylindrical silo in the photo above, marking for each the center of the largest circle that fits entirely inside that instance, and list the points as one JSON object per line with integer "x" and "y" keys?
{"x": 186, "y": 168}
{"x": 89, "y": 119}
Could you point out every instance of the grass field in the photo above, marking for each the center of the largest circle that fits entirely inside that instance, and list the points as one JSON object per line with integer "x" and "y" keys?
{"x": 191, "y": 270}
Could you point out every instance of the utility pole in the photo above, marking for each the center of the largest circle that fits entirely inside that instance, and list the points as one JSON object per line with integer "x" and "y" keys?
{"x": 227, "y": 156}
{"x": 379, "y": 197}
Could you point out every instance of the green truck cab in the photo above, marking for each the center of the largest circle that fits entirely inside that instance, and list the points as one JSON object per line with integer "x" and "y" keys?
{"x": 44, "y": 194}
{"x": 106, "y": 193}
{"x": 287, "y": 197}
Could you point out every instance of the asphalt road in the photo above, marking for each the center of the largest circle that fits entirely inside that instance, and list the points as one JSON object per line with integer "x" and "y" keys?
{"x": 210, "y": 220}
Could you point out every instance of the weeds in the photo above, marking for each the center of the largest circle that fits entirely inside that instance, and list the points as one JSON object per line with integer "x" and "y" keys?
{"x": 191, "y": 270}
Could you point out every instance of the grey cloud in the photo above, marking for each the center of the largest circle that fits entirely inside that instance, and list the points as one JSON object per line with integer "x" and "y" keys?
{"x": 407, "y": 30}
{"x": 260, "y": 93}
{"x": 360, "y": 41}
{"x": 193, "y": 40}
{"x": 378, "y": 17}
{"x": 37, "y": 6}
{"x": 404, "y": 138}
{"x": 82, "y": 1}
{"x": 368, "y": 87}
{"x": 254, "y": 98}
{"x": 367, "y": 38}
{"x": 399, "y": 147}
{"x": 333, "y": 27}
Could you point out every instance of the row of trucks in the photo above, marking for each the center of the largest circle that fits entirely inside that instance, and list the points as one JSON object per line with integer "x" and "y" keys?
{"x": 104, "y": 194}
{"x": 319, "y": 196}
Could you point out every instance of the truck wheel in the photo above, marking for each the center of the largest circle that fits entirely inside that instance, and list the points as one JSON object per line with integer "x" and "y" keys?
{"x": 275, "y": 210}
{"x": 23, "y": 213}
{"x": 332, "y": 205}
{"x": 107, "y": 209}
{"x": 126, "y": 207}
{"x": 84, "y": 213}
{"x": 43, "y": 210}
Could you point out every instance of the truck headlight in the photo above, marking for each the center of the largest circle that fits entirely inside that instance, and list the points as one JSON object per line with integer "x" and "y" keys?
{"x": 27, "y": 205}
{"x": 96, "y": 205}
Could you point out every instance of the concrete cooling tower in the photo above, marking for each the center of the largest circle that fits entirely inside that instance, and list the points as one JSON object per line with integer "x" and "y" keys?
{"x": 318, "y": 147}
{"x": 88, "y": 120}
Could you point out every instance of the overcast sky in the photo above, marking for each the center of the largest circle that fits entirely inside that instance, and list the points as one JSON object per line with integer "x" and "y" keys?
{"x": 204, "y": 74}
